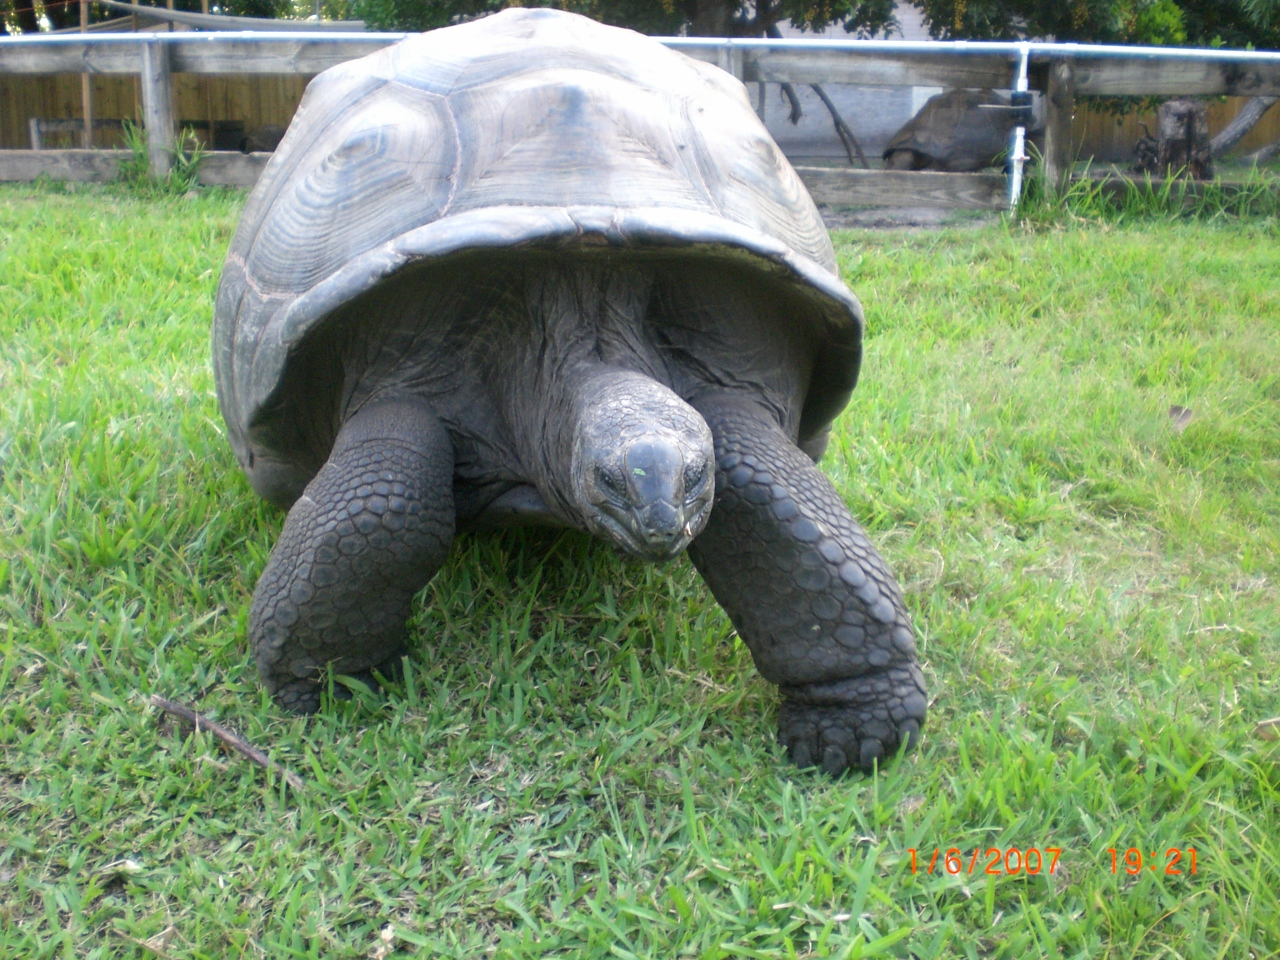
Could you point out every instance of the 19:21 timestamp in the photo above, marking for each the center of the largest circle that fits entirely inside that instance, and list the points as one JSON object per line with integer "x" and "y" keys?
{"x": 1134, "y": 860}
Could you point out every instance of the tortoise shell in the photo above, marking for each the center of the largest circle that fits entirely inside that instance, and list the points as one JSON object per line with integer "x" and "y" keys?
{"x": 528, "y": 128}
{"x": 958, "y": 131}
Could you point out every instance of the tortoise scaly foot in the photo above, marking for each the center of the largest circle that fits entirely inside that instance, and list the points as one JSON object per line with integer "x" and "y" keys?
{"x": 371, "y": 529}
{"x": 810, "y": 596}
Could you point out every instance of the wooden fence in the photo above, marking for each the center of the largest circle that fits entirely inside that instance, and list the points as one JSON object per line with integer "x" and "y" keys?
{"x": 169, "y": 74}
{"x": 263, "y": 100}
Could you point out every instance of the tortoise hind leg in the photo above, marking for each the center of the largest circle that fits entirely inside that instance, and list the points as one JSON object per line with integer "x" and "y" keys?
{"x": 809, "y": 595}
{"x": 371, "y": 529}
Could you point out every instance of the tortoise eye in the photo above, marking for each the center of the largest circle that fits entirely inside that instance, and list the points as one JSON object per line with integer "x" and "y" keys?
{"x": 608, "y": 480}
{"x": 693, "y": 477}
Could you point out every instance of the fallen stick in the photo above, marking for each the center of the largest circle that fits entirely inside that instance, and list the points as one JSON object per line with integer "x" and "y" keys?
{"x": 227, "y": 737}
{"x": 157, "y": 944}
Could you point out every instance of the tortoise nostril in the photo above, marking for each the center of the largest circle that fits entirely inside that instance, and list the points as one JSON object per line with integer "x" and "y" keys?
{"x": 661, "y": 523}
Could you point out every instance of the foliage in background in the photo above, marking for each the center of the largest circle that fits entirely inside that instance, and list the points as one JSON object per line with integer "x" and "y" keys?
{"x": 1229, "y": 23}
{"x": 657, "y": 17}
{"x": 184, "y": 164}
{"x": 1232, "y": 23}
{"x": 1265, "y": 13}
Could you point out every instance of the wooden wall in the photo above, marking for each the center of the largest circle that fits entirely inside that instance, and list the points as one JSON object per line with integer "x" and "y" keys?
{"x": 1110, "y": 138}
{"x": 258, "y": 100}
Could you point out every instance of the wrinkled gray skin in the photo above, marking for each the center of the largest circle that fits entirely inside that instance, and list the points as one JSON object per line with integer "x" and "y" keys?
{"x": 600, "y": 393}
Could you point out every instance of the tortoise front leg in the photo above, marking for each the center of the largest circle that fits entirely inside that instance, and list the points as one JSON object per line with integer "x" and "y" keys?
{"x": 371, "y": 529}
{"x": 816, "y": 605}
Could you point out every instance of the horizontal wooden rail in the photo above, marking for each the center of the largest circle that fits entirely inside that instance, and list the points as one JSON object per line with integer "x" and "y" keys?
{"x": 829, "y": 185}
{"x": 1098, "y": 69}
{"x": 1112, "y": 76}
{"x": 864, "y": 66}
{"x": 94, "y": 166}
{"x": 839, "y": 186}
{"x": 224, "y": 168}
{"x": 209, "y": 53}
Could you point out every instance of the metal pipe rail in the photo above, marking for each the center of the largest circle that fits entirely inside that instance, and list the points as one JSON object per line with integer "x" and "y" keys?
{"x": 1062, "y": 70}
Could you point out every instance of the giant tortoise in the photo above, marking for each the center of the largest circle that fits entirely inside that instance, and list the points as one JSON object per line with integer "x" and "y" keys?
{"x": 958, "y": 131}
{"x": 532, "y": 269}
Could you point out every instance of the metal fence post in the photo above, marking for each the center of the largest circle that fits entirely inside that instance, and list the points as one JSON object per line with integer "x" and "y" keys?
{"x": 1018, "y": 154}
{"x": 157, "y": 105}
{"x": 1060, "y": 109}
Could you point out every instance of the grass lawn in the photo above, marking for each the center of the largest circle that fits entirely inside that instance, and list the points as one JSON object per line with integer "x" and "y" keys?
{"x": 580, "y": 760}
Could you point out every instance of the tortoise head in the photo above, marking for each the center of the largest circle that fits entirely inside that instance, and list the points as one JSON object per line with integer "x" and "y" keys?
{"x": 643, "y": 468}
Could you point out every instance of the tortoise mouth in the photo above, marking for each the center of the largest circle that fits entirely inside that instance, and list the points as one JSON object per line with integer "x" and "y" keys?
{"x": 659, "y": 532}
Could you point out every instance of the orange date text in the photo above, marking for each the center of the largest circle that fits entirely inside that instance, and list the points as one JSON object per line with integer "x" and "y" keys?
{"x": 999, "y": 861}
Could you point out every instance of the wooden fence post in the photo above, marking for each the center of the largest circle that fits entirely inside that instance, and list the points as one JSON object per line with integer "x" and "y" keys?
{"x": 157, "y": 105}
{"x": 1059, "y": 112}
{"x": 729, "y": 59}
{"x": 86, "y": 83}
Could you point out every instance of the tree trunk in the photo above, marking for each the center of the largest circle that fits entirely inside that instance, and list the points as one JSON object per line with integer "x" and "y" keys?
{"x": 711, "y": 18}
{"x": 1184, "y": 139}
{"x": 1244, "y": 121}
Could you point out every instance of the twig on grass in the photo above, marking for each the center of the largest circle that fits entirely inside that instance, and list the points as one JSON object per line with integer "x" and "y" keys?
{"x": 702, "y": 681}
{"x": 158, "y": 944}
{"x": 227, "y": 737}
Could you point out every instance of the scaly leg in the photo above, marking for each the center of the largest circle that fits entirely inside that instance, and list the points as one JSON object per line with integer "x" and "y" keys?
{"x": 372, "y": 527}
{"x": 814, "y": 602}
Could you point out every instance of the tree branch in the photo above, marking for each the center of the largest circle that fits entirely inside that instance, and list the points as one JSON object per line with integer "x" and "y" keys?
{"x": 1244, "y": 121}
{"x": 789, "y": 92}
{"x": 772, "y": 32}
{"x": 847, "y": 138}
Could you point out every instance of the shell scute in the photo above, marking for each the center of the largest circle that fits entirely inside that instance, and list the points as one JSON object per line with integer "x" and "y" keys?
{"x": 584, "y": 140}
{"x": 386, "y": 168}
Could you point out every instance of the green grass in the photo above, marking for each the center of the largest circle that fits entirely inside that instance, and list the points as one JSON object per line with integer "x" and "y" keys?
{"x": 580, "y": 760}
{"x": 1118, "y": 196}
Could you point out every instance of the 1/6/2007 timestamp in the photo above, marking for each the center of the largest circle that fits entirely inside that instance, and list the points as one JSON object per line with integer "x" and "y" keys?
{"x": 994, "y": 860}
{"x": 1175, "y": 861}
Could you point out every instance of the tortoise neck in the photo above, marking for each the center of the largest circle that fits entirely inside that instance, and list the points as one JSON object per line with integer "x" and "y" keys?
{"x": 582, "y": 371}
